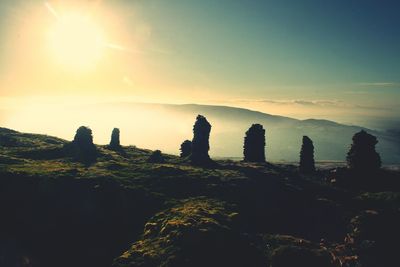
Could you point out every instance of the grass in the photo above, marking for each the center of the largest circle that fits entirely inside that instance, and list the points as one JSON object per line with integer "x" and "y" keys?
{"x": 188, "y": 222}
{"x": 174, "y": 213}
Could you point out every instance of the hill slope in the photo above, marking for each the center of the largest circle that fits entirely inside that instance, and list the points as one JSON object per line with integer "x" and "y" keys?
{"x": 283, "y": 134}
{"x": 124, "y": 211}
{"x": 166, "y": 126}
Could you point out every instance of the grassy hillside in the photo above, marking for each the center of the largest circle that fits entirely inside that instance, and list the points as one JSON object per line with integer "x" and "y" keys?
{"x": 124, "y": 211}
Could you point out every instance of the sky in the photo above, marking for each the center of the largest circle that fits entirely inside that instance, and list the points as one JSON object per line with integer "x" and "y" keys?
{"x": 333, "y": 59}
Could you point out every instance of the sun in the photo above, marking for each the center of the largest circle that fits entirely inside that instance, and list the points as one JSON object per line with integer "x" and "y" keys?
{"x": 76, "y": 42}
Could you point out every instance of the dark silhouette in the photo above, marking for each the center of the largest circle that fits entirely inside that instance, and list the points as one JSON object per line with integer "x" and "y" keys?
{"x": 200, "y": 143}
{"x": 292, "y": 255}
{"x": 115, "y": 143}
{"x": 82, "y": 147}
{"x": 186, "y": 148}
{"x": 362, "y": 156}
{"x": 307, "y": 163}
{"x": 83, "y": 137}
{"x": 254, "y": 144}
{"x": 156, "y": 157}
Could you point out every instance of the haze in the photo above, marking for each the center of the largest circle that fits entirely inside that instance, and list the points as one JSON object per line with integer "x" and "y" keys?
{"x": 336, "y": 60}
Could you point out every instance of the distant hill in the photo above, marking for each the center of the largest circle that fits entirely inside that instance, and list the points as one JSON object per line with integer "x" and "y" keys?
{"x": 167, "y": 125}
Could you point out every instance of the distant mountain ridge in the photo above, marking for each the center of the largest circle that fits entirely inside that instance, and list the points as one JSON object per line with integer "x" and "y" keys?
{"x": 166, "y": 126}
{"x": 283, "y": 134}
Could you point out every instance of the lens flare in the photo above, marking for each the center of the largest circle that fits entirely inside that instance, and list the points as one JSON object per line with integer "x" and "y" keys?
{"x": 76, "y": 41}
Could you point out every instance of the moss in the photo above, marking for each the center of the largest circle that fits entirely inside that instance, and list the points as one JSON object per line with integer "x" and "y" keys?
{"x": 196, "y": 232}
{"x": 214, "y": 216}
{"x": 288, "y": 251}
{"x": 374, "y": 234}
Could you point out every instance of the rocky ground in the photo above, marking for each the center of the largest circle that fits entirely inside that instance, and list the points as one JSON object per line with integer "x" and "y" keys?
{"x": 124, "y": 211}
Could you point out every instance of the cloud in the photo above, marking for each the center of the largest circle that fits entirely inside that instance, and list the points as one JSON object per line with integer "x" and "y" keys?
{"x": 303, "y": 102}
{"x": 379, "y": 84}
{"x": 314, "y": 103}
{"x": 371, "y": 107}
{"x": 355, "y": 92}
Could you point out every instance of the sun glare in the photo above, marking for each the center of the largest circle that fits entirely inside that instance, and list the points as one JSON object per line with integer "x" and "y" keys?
{"x": 76, "y": 42}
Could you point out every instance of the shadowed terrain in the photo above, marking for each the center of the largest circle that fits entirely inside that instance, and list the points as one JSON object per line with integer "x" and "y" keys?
{"x": 126, "y": 210}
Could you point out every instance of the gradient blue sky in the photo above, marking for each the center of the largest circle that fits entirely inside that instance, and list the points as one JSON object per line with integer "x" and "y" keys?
{"x": 334, "y": 59}
{"x": 282, "y": 42}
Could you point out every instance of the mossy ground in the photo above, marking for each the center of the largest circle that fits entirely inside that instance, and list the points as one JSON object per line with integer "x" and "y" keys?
{"x": 59, "y": 212}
